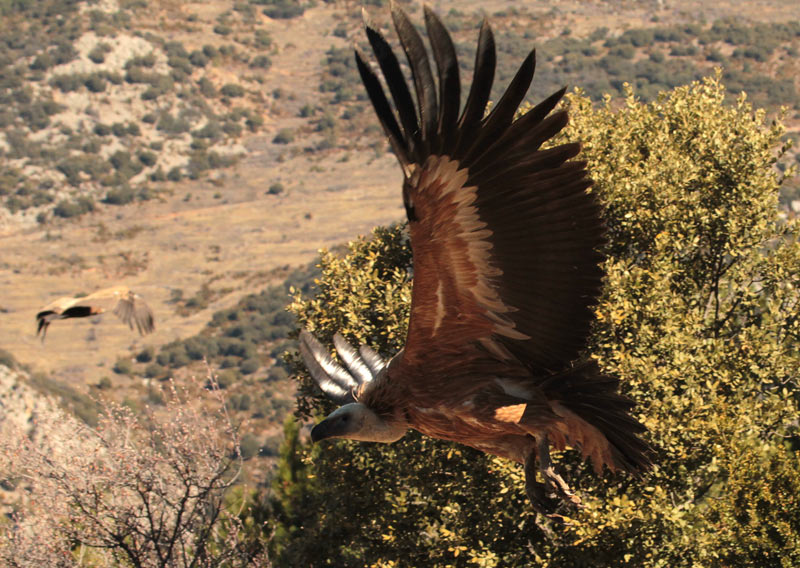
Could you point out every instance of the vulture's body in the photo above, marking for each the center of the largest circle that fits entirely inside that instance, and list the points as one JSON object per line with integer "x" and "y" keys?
{"x": 126, "y": 304}
{"x": 505, "y": 239}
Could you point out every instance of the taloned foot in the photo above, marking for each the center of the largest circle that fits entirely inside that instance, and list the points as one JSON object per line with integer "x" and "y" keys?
{"x": 546, "y": 497}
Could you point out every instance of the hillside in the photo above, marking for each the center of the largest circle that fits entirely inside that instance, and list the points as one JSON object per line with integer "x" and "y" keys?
{"x": 200, "y": 152}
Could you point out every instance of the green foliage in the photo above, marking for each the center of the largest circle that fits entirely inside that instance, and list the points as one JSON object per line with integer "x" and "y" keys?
{"x": 249, "y": 446}
{"x": 284, "y": 136}
{"x": 232, "y": 90}
{"x": 699, "y": 319}
{"x": 341, "y": 76}
{"x": 261, "y": 62}
{"x": 282, "y": 9}
{"x": 98, "y": 52}
{"x": 123, "y": 366}
{"x": 223, "y": 29}
{"x": 249, "y": 366}
{"x": 67, "y": 209}
{"x": 262, "y": 38}
{"x": 146, "y": 354}
{"x": 120, "y": 196}
{"x": 7, "y": 359}
{"x": 80, "y": 404}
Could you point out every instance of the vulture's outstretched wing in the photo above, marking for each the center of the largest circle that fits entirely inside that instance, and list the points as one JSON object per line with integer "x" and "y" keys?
{"x": 132, "y": 310}
{"x": 504, "y": 233}
{"x": 341, "y": 385}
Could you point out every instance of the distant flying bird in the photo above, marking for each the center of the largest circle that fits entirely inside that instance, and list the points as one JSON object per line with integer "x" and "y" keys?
{"x": 127, "y": 305}
{"x": 505, "y": 240}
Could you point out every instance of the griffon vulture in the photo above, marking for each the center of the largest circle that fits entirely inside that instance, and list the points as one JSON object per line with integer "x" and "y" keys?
{"x": 127, "y": 305}
{"x": 506, "y": 267}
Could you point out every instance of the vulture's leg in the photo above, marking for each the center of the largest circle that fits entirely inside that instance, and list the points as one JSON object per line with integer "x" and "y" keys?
{"x": 555, "y": 483}
{"x": 536, "y": 491}
{"x": 542, "y": 495}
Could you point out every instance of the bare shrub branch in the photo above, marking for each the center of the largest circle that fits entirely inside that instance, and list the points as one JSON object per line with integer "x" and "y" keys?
{"x": 145, "y": 490}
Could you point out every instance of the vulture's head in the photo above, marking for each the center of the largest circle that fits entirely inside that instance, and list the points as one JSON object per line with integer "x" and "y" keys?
{"x": 353, "y": 420}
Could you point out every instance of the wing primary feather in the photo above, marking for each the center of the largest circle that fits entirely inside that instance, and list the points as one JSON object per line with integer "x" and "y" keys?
{"x": 374, "y": 361}
{"x": 42, "y": 327}
{"x": 332, "y": 389}
{"x": 502, "y": 115}
{"x": 524, "y": 136}
{"x": 145, "y": 322}
{"x": 420, "y": 73}
{"x": 398, "y": 87}
{"x": 323, "y": 368}
{"x": 444, "y": 54}
{"x": 383, "y": 109}
{"x": 123, "y": 311}
{"x": 482, "y": 79}
{"x": 360, "y": 371}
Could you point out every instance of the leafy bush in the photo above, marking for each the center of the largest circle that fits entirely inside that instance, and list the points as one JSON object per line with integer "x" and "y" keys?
{"x": 198, "y": 58}
{"x": 67, "y": 83}
{"x": 175, "y": 174}
{"x": 67, "y": 209}
{"x": 227, "y": 378}
{"x": 261, "y": 62}
{"x": 123, "y": 367}
{"x": 232, "y": 90}
{"x": 283, "y": 9}
{"x": 98, "y": 52}
{"x": 7, "y": 359}
{"x": 155, "y": 371}
{"x": 262, "y": 37}
{"x": 146, "y": 354}
{"x": 120, "y": 196}
{"x": 223, "y": 29}
{"x": 147, "y": 158}
{"x": 249, "y": 446}
{"x": 284, "y": 136}
{"x": 42, "y": 62}
{"x": 102, "y": 129}
{"x": 249, "y": 366}
{"x": 182, "y": 63}
{"x": 277, "y": 374}
{"x": 698, "y": 316}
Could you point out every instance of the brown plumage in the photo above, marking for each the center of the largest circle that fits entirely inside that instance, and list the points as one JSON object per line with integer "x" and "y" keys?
{"x": 127, "y": 305}
{"x": 505, "y": 239}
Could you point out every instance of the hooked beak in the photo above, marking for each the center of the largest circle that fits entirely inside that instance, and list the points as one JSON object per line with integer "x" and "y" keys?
{"x": 319, "y": 432}
{"x": 332, "y": 427}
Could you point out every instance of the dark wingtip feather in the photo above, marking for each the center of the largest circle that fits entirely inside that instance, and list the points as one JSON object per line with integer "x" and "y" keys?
{"x": 478, "y": 97}
{"x": 383, "y": 109}
{"x": 393, "y": 75}
{"x": 417, "y": 57}
{"x": 444, "y": 54}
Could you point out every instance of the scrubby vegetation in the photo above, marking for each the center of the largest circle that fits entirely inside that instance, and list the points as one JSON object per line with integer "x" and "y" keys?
{"x": 650, "y": 59}
{"x": 245, "y": 343}
{"x": 66, "y": 148}
{"x": 151, "y": 490}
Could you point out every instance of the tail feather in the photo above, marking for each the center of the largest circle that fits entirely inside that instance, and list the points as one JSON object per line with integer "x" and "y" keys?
{"x": 594, "y": 398}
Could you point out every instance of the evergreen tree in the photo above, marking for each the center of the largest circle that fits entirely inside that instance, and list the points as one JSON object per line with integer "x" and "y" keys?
{"x": 699, "y": 317}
